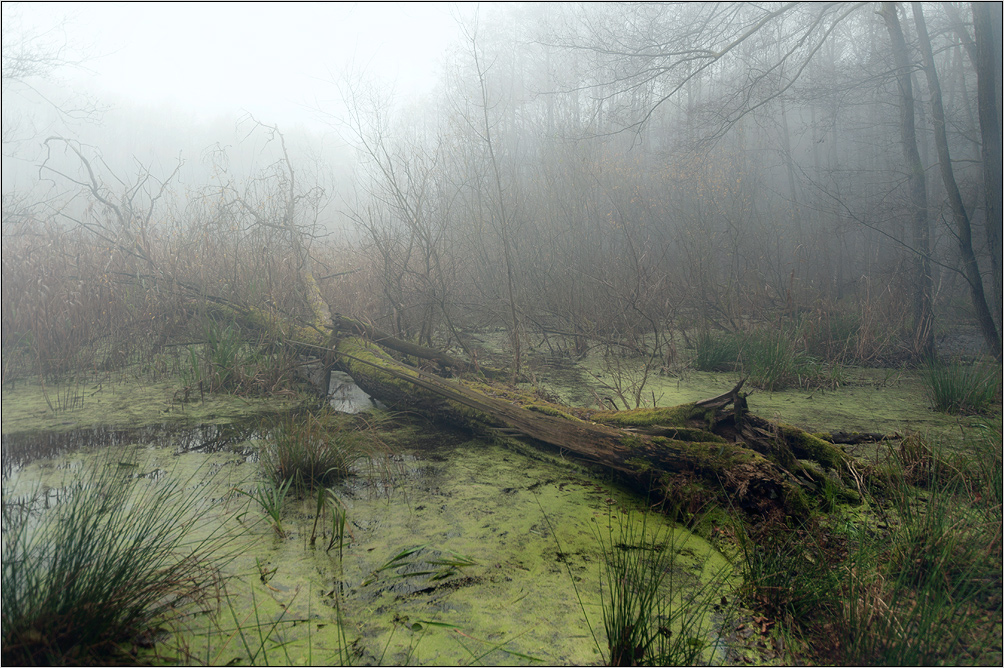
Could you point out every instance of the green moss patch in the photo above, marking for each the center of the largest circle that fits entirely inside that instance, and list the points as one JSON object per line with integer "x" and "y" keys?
{"x": 675, "y": 416}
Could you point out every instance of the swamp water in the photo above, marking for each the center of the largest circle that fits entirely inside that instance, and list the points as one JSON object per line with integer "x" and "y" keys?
{"x": 502, "y": 557}
{"x": 505, "y": 563}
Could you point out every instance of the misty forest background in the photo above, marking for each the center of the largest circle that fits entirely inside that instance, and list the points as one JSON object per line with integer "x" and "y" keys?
{"x": 582, "y": 177}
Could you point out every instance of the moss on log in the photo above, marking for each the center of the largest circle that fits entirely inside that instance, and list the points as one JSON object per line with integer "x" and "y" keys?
{"x": 749, "y": 463}
{"x": 647, "y": 447}
{"x": 352, "y": 327}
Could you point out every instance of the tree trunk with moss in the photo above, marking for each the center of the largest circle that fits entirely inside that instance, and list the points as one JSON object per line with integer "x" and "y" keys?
{"x": 713, "y": 448}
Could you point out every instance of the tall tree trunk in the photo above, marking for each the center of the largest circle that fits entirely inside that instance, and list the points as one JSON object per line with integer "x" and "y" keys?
{"x": 501, "y": 214}
{"x": 923, "y": 311}
{"x": 970, "y": 266}
{"x": 988, "y": 54}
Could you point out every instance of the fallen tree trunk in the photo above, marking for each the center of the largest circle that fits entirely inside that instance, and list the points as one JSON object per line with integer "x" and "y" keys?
{"x": 348, "y": 325}
{"x": 764, "y": 469}
{"x": 714, "y": 447}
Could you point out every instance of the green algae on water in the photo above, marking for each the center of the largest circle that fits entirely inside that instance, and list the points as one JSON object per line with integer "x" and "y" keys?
{"x": 30, "y": 406}
{"x": 505, "y": 566}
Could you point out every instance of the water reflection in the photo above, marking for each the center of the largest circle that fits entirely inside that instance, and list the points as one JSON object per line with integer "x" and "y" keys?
{"x": 19, "y": 450}
{"x": 347, "y": 397}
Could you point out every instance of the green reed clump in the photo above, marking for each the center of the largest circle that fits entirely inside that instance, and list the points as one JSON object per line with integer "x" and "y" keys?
{"x": 310, "y": 449}
{"x": 109, "y": 562}
{"x": 228, "y": 362}
{"x": 962, "y": 388}
{"x": 648, "y": 617}
{"x": 716, "y": 351}
{"x": 928, "y": 592}
{"x": 772, "y": 360}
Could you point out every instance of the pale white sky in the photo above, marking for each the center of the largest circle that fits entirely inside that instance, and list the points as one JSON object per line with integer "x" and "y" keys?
{"x": 270, "y": 59}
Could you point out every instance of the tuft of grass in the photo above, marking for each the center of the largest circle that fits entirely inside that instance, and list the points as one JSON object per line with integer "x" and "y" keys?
{"x": 962, "y": 388}
{"x": 271, "y": 498}
{"x": 105, "y": 565}
{"x": 311, "y": 450}
{"x": 771, "y": 360}
{"x": 647, "y": 617}
{"x": 228, "y": 362}
{"x": 716, "y": 352}
{"x": 928, "y": 592}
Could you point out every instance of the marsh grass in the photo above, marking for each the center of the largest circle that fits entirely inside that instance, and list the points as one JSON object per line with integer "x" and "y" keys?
{"x": 270, "y": 497}
{"x": 650, "y": 614}
{"x": 962, "y": 388}
{"x": 831, "y": 334}
{"x": 329, "y": 504}
{"x": 787, "y": 572}
{"x": 240, "y": 635}
{"x": 311, "y": 449}
{"x": 918, "y": 585}
{"x": 67, "y": 397}
{"x": 227, "y": 361}
{"x": 412, "y": 562}
{"x": 929, "y": 592}
{"x": 984, "y": 484}
{"x": 716, "y": 351}
{"x": 114, "y": 559}
{"x": 772, "y": 360}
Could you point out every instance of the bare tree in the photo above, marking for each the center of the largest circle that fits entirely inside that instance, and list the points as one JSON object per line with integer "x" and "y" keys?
{"x": 403, "y": 216}
{"x": 922, "y": 308}
{"x": 971, "y": 269}
{"x": 32, "y": 56}
{"x": 675, "y": 44}
{"x": 129, "y": 206}
{"x": 987, "y": 52}
{"x": 497, "y": 201}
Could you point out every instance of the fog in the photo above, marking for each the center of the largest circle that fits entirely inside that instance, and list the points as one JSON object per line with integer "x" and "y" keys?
{"x": 220, "y": 60}
{"x": 589, "y": 169}
{"x": 150, "y": 82}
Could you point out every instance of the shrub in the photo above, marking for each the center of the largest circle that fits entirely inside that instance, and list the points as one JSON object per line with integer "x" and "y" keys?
{"x": 104, "y": 565}
{"x": 962, "y": 388}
